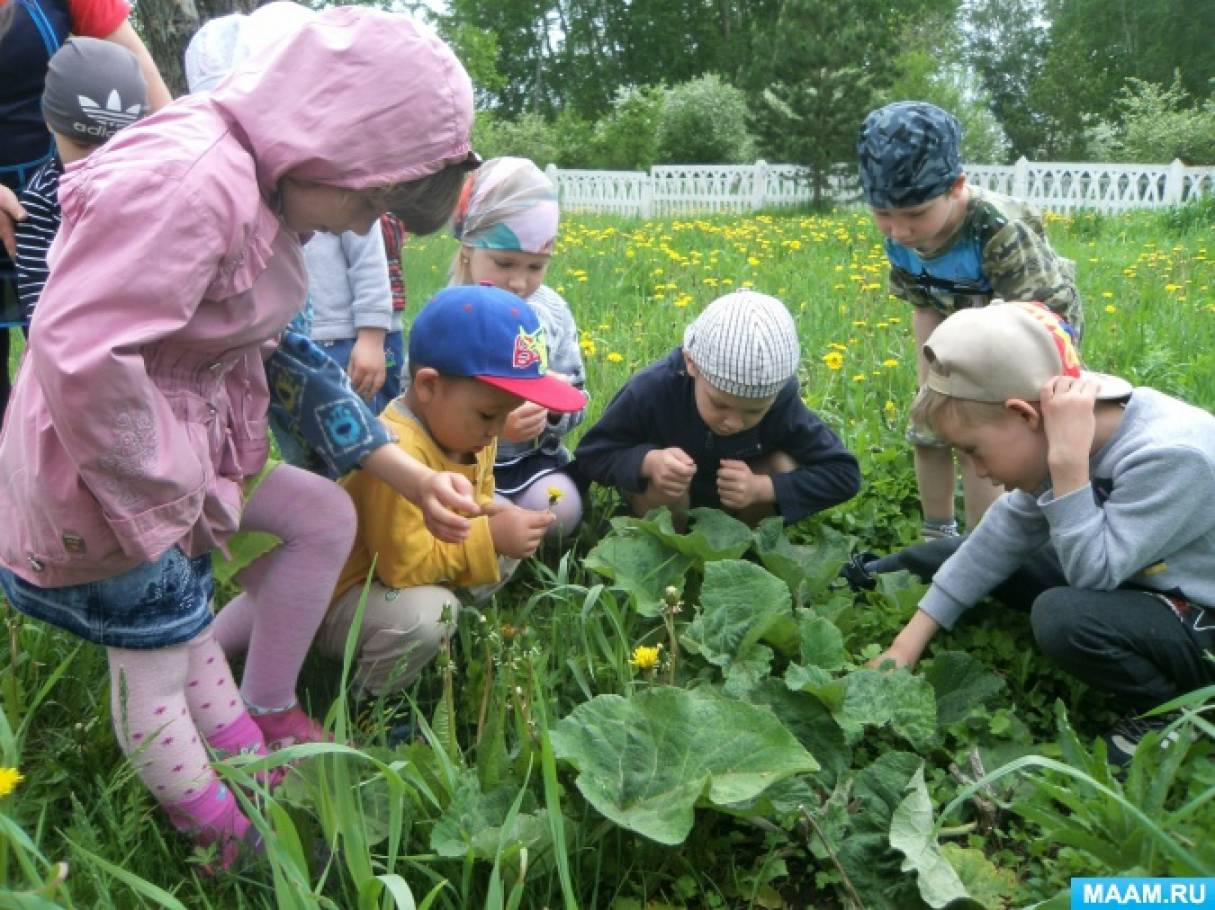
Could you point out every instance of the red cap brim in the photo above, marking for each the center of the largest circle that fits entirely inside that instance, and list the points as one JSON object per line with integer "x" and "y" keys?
{"x": 546, "y": 391}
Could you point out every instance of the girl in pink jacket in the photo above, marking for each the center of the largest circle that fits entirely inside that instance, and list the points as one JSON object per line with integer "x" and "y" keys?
{"x": 141, "y": 405}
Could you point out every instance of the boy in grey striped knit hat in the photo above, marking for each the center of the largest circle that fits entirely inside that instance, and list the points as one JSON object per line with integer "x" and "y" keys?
{"x": 720, "y": 422}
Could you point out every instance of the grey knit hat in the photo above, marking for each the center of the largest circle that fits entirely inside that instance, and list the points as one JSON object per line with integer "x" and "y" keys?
{"x": 744, "y": 344}
{"x": 910, "y": 152}
{"x": 93, "y": 89}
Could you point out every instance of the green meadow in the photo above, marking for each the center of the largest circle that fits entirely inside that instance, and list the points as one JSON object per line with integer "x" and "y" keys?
{"x": 646, "y": 720}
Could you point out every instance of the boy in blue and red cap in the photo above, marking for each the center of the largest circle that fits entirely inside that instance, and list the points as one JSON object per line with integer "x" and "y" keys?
{"x": 475, "y": 354}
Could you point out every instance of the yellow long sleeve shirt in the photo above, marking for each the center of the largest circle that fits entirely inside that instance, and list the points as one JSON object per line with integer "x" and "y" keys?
{"x": 391, "y": 528}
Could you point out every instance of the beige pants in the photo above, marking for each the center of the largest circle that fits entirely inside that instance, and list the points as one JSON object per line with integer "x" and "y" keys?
{"x": 401, "y": 633}
{"x": 402, "y": 628}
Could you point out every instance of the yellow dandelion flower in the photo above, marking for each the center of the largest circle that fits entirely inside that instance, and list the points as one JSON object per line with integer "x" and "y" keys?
{"x": 615, "y": 357}
{"x": 834, "y": 360}
{"x": 859, "y": 377}
{"x": 752, "y": 261}
{"x": 9, "y": 778}
{"x": 555, "y": 495}
{"x": 890, "y": 363}
{"x": 645, "y": 657}
{"x": 1111, "y": 309}
{"x": 890, "y": 408}
{"x": 1108, "y": 295}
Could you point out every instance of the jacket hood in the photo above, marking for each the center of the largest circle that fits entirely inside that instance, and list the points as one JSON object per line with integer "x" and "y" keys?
{"x": 355, "y": 97}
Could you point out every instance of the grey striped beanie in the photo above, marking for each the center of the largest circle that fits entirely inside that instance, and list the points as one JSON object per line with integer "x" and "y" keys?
{"x": 744, "y": 344}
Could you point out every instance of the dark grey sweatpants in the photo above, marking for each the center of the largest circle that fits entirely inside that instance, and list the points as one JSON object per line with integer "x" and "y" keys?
{"x": 1130, "y": 642}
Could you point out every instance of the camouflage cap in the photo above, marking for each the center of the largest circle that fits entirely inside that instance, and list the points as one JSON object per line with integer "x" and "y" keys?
{"x": 910, "y": 152}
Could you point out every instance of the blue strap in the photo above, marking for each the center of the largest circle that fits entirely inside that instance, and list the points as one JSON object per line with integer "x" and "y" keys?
{"x": 43, "y": 24}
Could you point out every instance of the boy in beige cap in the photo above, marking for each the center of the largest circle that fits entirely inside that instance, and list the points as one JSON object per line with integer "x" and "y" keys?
{"x": 1106, "y": 533}
{"x": 720, "y": 422}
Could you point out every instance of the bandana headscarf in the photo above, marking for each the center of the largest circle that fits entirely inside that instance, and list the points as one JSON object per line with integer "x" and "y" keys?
{"x": 509, "y": 204}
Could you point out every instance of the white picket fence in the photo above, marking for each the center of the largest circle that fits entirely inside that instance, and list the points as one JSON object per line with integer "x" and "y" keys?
{"x": 673, "y": 190}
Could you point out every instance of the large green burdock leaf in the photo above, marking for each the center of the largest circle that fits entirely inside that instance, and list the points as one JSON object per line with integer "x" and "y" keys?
{"x": 809, "y": 720}
{"x": 739, "y": 602}
{"x": 806, "y": 568}
{"x": 912, "y": 835}
{"x": 961, "y": 683}
{"x": 712, "y": 533}
{"x": 640, "y": 564}
{"x": 874, "y": 698}
{"x": 645, "y": 762}
{"x": 473, "y": 824}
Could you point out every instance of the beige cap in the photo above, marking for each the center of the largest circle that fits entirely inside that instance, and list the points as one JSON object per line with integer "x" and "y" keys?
{"x": 1006, "y": 350}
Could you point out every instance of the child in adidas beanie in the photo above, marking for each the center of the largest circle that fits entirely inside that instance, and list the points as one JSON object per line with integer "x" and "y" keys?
{"x": 719, "y": 422}
{"x": 93, "y": 89}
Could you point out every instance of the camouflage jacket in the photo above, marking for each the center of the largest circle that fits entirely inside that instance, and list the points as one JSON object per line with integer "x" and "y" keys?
{"x": 999, "y": 250}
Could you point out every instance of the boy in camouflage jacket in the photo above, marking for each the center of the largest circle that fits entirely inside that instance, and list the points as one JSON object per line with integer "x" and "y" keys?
{"x": 952, "y": 246}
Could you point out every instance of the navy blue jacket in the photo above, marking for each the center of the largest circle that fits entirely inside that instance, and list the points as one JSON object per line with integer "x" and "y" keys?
{"x": 656, "y": 409}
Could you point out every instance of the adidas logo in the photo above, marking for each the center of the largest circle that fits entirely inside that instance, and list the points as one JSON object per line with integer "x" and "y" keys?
{"x": 109, "y": 119}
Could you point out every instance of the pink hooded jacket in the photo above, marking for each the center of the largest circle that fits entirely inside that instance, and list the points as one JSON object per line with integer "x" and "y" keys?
{"x": 142, "y": 401}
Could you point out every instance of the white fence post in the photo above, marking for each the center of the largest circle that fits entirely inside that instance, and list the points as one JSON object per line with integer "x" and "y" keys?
{"x": 551, "y": 173}
{"x": 1174, "y": 182}
{"x": 647, "y": 194}
{"x": 1020, "y": 184}
{"x": 759, "y": 185}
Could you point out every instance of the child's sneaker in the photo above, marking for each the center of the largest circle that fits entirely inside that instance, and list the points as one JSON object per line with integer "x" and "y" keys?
{"x": 938, "y": 530}
{"x": 212, "y": 818}
{"x": 290, "y": 727}
{"x": 1123, "y": 738}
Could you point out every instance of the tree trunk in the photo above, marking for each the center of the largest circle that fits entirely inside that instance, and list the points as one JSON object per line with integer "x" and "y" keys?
{"x": 168, "y": 25}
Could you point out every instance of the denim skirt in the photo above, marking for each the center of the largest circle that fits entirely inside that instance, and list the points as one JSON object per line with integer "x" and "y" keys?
{"x": 153, "y": 605}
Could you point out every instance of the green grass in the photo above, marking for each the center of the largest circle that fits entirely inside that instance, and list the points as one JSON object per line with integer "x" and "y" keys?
{"x": 360, "y": 824}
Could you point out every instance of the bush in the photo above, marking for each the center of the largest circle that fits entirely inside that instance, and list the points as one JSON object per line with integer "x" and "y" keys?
{"x": 1156, "y": 124}
{"x": 704, "y": 121}
{"x": 625, "y": 139}
{"x": 527, "y": 136}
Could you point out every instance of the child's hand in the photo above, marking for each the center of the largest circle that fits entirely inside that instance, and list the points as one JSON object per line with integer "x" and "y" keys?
{"x": 737, "y": 485}
{"x": 670, "y": 471}
{"x": 367, "y": 368}
{"x": 445, "y": 498}
{"x": 525, "y": 423}
{"x": 517, "y": 532}
{"x": 1070, "y": 423}
{"x": 909, "y": 644}
{"x": 10, "y": 213}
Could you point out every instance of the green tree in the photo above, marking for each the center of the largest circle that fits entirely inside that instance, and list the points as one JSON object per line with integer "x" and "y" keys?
{"x": 554, "y": 54}
{"x": 1004, "y": 42}
{"x": 923, "y": 77}
{"x": 825, "y": 63}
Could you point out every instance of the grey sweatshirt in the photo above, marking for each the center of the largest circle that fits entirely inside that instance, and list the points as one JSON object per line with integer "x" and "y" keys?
{"x": 1146, "y": 519}
{"x": 348, "y": 285}
{"x": 565, "y": 357}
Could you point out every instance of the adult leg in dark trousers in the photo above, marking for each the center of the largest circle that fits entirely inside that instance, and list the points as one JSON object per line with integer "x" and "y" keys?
{"x": 1127, "y": 641}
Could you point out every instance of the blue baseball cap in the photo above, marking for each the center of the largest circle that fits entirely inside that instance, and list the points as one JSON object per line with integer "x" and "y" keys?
{"x": 489, "y": 334}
